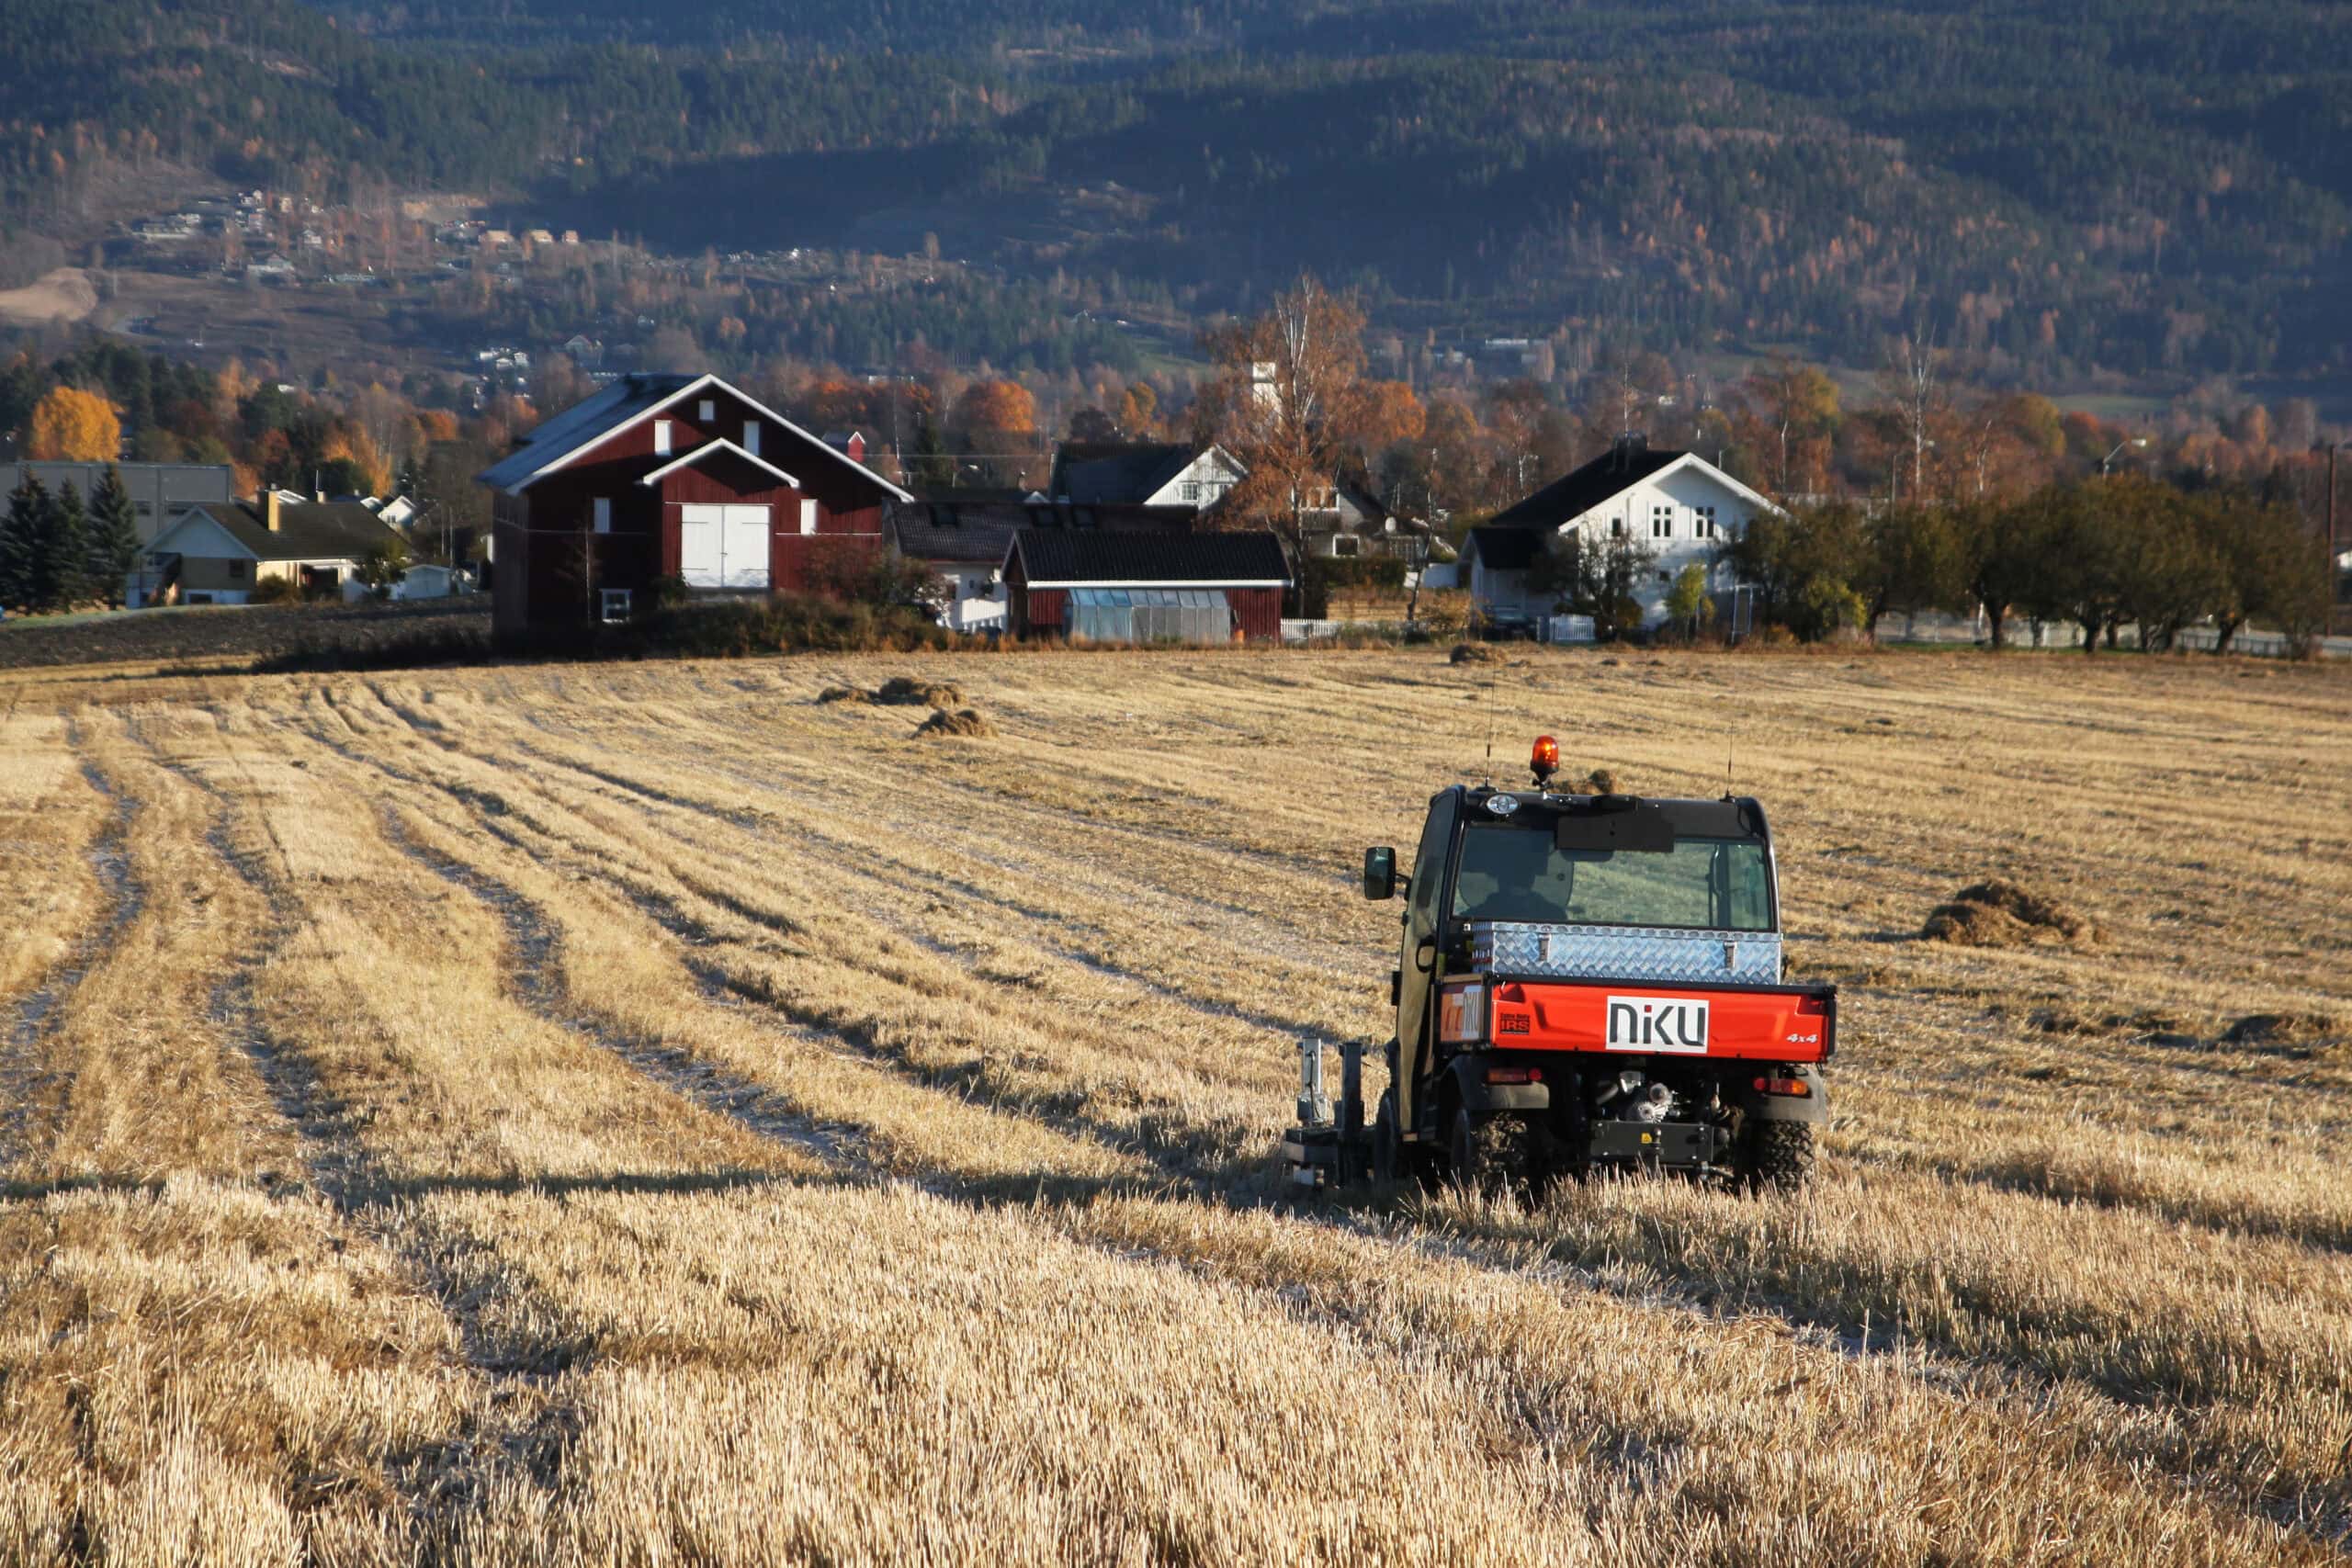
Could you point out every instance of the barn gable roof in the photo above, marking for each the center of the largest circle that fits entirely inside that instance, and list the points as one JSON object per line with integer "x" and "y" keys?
{"x": 551, "y": 444}
{"x": 713, "y": 448}
{"x": 1053, "y": 557}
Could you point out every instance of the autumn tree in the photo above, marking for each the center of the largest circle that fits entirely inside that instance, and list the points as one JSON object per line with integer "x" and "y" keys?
{"x": 1288, "y": 402}
{"x": 1912, "y": 392}
{"x": 1138, "y": 410}
{"x": 998, "y": 420}
{"x": 1391, "y": 414}
{"x": 75, "y": 426}
{"x": 1092, "y": 424}
{"x": 1795, "y": 407}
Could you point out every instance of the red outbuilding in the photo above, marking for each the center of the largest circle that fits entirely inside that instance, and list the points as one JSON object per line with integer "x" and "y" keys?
{"x": 1101, "y": 587}
{"x": 679, "y": 477}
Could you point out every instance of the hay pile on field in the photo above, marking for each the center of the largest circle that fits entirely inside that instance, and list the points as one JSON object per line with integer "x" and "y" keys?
{"x": 2283, "y": 1028}
{"x": 966, "y": 723}
{"x": 899, "y": 691}
{"x": 2001, "y": 914}
{"x": 1477, "y": 653}
{"x": 906, "y": 691}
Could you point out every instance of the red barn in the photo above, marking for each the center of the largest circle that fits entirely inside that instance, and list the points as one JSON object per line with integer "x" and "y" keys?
{"x": 668, "y": 476}
{"x": 1094, "y": 587}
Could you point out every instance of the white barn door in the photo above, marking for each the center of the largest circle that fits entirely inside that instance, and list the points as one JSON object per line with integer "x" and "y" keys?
{"x": 702, "y": 546}
{"x": 723, "y": 547}
{"x": 747, "y": 547}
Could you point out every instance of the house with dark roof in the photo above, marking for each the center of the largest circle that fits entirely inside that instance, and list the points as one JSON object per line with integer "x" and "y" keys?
{"x": 1675, "y": 506}
{"x": 1143, "y": 473}
{"x": 1091, "y": 586}
{"x": 1348, "y": 522}
{"x": 670, "y": 477}
{"x": 218, "y": 553}
{"x": 964, "y": 539}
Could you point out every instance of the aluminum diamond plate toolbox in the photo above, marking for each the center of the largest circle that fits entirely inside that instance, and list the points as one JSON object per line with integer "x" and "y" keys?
{"x": 1624, "y": 953}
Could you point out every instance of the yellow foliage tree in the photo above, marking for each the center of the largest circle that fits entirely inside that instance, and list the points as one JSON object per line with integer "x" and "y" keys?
{"x": 364, "y": 454}
{"x": 73, "y": 426}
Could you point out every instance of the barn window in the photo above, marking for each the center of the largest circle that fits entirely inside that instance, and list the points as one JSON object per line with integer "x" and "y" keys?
{"x": 660, "y": 437}
{"x": 808, "y": 516}
{"x": 752, "y": 437}
{"x": 614, "y": 603}
{"x": 707, "y": 412}
{"x": 1616, "y": 528}
{"x": 603, "y": 514}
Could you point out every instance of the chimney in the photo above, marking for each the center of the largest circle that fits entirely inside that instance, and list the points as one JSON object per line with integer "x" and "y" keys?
{"x": 270, "y": 502}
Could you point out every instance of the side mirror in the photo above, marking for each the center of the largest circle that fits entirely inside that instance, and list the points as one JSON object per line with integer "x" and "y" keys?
{"x": 1380, "y": 873}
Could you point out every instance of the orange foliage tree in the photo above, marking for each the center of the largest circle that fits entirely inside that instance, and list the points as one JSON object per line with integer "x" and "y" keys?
{"x": 998, "y": 406}
{"x": 75, "y": 426}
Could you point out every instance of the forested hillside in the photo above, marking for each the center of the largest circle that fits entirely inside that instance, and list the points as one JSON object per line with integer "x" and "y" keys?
{"x": 2149, "y": 189}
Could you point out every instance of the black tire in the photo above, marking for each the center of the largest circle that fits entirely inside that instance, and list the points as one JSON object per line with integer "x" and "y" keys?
{"x": 1387, "y": 1150}
{"x": 1777, "y": 1156}
{"x": 1489, "y": 1154}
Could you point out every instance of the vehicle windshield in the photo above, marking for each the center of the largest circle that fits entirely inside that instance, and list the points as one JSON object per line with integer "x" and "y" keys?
{"x": 1513, "y": 872}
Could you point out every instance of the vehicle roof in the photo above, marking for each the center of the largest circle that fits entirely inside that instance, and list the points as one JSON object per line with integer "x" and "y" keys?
{"x": 1731, "y": 817}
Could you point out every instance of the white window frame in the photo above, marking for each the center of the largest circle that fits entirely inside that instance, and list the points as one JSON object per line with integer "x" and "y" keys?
{"x": 613, "y": 605}
{"x": 707, "y": 410}
{"x": 1661, "y": 522}
{"x": 752, "y": 437}
{"x": 603, "y": 514}
{"x": 1191, "y": 489}
{"x": 660, "y": 437}
{"x": 1706, "y": 520}
{"x": 808, "y": 516}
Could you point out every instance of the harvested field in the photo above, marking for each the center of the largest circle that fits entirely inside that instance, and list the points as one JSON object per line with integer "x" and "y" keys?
{"x": 646, "y": 1112}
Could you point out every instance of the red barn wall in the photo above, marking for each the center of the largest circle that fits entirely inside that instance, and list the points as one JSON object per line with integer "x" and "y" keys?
{"x": 1258, "y": 611}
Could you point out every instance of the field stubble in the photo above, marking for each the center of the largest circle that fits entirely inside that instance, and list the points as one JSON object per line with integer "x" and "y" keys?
{"x": 625, "y": 1114}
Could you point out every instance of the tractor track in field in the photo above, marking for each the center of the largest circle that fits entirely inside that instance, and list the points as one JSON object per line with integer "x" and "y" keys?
{"x": 24, "y": 1083}
{"x": 537, "y": 977}
{"x": 1181, "y": 1163}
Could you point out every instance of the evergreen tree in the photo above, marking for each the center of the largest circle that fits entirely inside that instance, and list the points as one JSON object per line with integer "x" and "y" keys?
{"x": 932, "y": 470}
{"x": 113, "y": 536}
{"x": 59, "y": 552}
{"x": 19, "y": 532}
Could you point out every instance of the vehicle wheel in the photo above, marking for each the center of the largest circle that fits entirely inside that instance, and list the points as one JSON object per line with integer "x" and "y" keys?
{"x": 1777, "y": 1156}
{"x": 1489, "y": 1154}
{"x": 1387, "y": 1152}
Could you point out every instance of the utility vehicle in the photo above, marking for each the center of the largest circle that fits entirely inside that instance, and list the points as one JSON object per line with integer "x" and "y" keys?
{"x": 1583, "y": 982}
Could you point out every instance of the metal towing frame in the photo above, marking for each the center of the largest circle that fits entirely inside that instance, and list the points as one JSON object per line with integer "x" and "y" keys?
{"x": 1327, "y": 1149}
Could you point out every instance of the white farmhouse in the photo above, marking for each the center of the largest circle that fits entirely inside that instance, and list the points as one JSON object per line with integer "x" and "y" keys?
{"x": 1680, "y": 507}
{"x": 1143, "y": 473}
